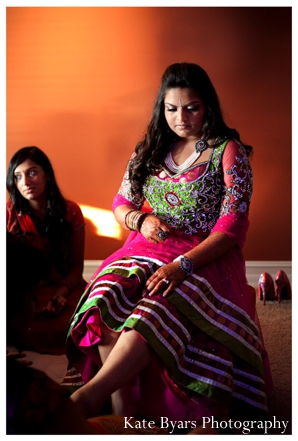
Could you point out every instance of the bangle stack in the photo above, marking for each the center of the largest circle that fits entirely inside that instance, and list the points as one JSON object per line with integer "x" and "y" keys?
{"x": 133, "y": 219}
{"x": 186, "y": 264}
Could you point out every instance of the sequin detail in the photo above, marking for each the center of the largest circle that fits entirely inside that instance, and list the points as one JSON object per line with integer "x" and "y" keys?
{"x": 172, "y": 199}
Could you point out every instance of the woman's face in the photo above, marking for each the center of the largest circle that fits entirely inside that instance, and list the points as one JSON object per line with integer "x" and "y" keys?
{"x": 184, "y": 112}
{"x": 31, "y": 181}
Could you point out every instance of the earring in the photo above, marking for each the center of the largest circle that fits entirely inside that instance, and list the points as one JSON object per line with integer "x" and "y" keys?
{"x": 266, "y": 289}
{"x": 283, "y": 287}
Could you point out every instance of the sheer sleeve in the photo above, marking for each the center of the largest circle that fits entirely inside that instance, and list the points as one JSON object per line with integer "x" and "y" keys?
{"x": 125, "y": 195}
{"x": 238, "y": 183}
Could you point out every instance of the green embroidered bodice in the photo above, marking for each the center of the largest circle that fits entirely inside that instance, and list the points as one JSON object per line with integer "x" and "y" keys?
{"x": 194, "y": 206}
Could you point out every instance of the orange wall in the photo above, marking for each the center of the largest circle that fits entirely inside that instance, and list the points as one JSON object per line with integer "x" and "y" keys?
{"x": 81, "y": 83}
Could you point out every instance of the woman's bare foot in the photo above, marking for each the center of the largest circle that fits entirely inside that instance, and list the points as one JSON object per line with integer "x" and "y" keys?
{"x": 89, "y": 403}
{"x": 123, "y": 403}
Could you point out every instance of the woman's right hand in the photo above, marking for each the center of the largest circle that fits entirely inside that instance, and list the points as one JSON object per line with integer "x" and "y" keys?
{"x": 19, "y": 356}
{"x": 154, "y": 229}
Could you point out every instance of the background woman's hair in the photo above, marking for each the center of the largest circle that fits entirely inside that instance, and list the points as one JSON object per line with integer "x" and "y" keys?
{"x": 55, "y": 227}
{"x": 151, "y": 151}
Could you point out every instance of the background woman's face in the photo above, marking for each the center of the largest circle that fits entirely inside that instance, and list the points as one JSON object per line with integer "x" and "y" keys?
{"x": 184, "y": 112}
{"x": 30, "y": 180}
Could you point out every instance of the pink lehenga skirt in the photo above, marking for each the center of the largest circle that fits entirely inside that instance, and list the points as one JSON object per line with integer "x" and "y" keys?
{"x": 210, "y": 358}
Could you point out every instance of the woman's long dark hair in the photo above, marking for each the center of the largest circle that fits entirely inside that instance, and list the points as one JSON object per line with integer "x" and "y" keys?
{"x": 54, "y": 226}
{"x": 151, "y": 151}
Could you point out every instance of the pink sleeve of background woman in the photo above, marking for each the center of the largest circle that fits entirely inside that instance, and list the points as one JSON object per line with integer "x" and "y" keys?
{"x": 237, "y": 171}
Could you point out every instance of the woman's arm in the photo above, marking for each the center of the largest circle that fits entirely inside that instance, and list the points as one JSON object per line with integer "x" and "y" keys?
{"x": 126, "y": 201}
{"x": 76, "y": 263}
{"x": 213, "y": 247}
{"x": 74, "y": 275}
{"x": 121, "y": 211}
{"x": 71, "y": 279}
{"x": 232, "y": 224}
{"x": 127, "y": 211}
{"x": 147, "y": 224}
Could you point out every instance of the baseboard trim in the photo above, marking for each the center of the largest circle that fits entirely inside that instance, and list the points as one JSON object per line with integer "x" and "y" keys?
{"x": 253, "y": 269}
{"x": 90, "y": 266}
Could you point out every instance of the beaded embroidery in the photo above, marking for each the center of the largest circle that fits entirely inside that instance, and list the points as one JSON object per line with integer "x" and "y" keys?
{"x": 172, "y": 199}
{"x": 195, "y": 206}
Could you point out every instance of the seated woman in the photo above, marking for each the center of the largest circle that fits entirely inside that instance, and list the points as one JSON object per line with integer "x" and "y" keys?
{"x": 167, "y": 325}
{"x": 38, "y": 214}
{"x": 35, "y": 404}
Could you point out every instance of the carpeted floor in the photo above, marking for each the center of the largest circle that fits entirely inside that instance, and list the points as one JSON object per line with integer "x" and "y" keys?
{"x": 276, "y": 323}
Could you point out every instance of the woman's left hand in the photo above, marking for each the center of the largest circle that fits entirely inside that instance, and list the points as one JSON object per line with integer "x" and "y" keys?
{"x": 54, "y": 307}
{"x": 164, "y": 280}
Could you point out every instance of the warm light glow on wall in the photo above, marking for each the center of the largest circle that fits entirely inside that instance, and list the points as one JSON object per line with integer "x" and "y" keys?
{"x": 103, "y": 220}
{"x": 81, "y": 83}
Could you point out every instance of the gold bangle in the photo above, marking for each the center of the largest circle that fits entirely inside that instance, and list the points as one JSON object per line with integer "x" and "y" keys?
{"x": 126, "y": 218}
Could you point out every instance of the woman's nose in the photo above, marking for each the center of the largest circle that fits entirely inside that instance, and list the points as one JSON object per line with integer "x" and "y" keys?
{"x": 181, "y": 114}
{"x": 25, "y": 179}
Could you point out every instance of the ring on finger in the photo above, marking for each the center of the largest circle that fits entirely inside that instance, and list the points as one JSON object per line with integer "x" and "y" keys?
{"x": 166, "y": 281}
{"x": 162, "y": 235}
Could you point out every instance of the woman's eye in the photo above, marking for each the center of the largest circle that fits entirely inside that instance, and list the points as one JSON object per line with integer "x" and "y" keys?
{"x": 189, "y": 109}
{"x": 17, "y": 177}
{"x": 32, "y": 173}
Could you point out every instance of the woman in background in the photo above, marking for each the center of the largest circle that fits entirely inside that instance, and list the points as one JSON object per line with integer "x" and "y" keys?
{"x": 35, "y": 404}
{"x": 167, "y": 325}
{"x": 38, "y": 214}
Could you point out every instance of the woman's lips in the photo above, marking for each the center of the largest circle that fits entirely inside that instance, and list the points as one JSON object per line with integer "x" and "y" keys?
{"x": 183, "y": 126}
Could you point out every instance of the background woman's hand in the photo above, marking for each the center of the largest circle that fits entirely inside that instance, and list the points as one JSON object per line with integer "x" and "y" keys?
{"x": 154, "y": 229}
{"x": 164, "y": 280}
{"x": 54, "y": 306}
